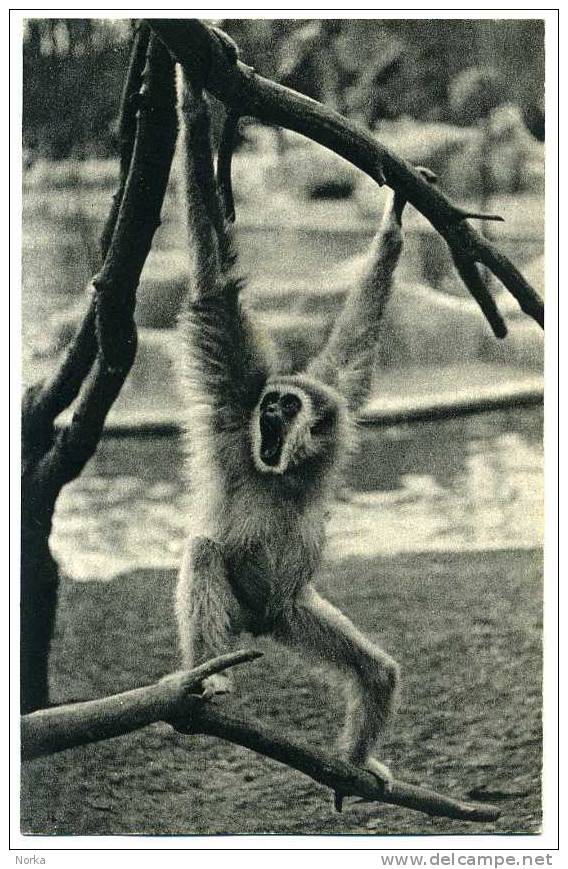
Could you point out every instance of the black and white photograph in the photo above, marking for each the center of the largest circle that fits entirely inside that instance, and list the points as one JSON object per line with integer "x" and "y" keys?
{"x": 282, "y": 477}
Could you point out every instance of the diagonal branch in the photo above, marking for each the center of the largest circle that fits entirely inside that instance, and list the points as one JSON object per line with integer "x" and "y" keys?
{"x": 44, "y": 404}
{"x": 174, "y": 701}
{"x": 244, "y": 92}
{"x": 58, "y": 728}
{"x": 326, "y": 769}
{"x": 101, "y": 354}
{"x": 115, "y": 285}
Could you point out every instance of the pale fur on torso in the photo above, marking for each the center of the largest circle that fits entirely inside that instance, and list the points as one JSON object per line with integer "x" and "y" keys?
{"x": 271, "y": 529}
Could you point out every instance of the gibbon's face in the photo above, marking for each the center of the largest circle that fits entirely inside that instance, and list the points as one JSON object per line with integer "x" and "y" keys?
{"x": 294, "y": 422}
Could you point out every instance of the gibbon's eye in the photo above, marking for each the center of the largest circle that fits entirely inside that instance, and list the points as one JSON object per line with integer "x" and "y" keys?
{"x": 290, "y": 404}
{"x": 323, "y": 424}
{"x": 271, "y": 398}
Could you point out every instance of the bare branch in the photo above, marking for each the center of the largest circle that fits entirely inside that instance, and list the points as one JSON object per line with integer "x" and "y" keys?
{"x": 100, "y": 355}
{"x": 115, "y": 285}
{"x": 61, "y": 727}
{"x": 469, "y": 273}
{"x": 241, "y": 89}
{"x": 61, "y": 389}
{"x": 172, "y": 700}
{"x": 340, "y": 776}
{"x": 127, "y": 125}
{"x": 479, "y": 215}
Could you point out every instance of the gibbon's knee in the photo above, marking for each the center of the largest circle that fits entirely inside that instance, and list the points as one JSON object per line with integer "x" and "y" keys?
{"x": 384, "y": 673}
{"x": 376, "y": 677}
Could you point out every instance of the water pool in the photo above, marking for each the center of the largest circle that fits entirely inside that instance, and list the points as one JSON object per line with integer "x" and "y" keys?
{"x": 471, "y": 483}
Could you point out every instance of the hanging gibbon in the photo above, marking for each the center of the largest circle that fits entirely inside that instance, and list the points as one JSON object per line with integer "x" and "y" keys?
{"x": 265, "y": 452}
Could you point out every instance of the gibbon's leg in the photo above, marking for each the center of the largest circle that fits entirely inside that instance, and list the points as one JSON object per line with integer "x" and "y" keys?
{"x": 206, "y": 609}
{"x": 316, "y": 628}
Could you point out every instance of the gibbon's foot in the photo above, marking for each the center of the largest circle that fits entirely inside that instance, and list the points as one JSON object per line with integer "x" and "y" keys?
{"x": 218, "y": 683}
{"x": 381, "y": 772}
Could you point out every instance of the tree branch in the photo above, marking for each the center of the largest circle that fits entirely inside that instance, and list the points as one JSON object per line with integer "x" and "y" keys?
{"x": 173, "y": 700}
{"x": 45, "y": 403}
{"x": 127, "y": 126}
{"x": 61, "y": 727}
{"x": 115, "y": 285}
{"x": 326, "y": 769}
{"x": 243, "y": 91}
{"x": 101, "y": 354}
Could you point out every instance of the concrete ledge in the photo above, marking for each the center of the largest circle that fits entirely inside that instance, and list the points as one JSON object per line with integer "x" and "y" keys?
{"x": 383, "y": 411}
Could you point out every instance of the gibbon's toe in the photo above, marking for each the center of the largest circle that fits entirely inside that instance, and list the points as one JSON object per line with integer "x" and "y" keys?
{"x": 381, "y": 772}
{"x": 216, "y": 684}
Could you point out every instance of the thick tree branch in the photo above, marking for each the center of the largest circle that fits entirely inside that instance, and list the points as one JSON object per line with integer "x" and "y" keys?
{"x": 46, "y": 402}
{"x": 173, "y": 700}
{"x": 101, "y": 354}
{"x": 245, "y": 92}
{"x": 61, "y": 727}
{"x": 115, "y": 285}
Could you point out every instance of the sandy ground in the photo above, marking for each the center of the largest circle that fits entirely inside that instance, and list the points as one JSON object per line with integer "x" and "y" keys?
{"x": 466, "y": 629}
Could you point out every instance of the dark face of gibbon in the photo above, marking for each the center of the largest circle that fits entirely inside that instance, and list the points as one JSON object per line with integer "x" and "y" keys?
{"x": 295, "y": 423}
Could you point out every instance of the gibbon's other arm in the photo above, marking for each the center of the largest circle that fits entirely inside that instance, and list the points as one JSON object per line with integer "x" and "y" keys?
{"x": 346, "y": 361}
{"x": 225, "y": 356}
{"x": 209, "y": 237}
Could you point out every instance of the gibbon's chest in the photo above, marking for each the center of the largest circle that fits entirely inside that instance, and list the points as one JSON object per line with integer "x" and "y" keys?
{"x": 270, "y": 564}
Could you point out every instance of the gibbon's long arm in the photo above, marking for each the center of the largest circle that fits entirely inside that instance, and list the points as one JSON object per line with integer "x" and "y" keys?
{"x": 226, "y": 363}
{"x": 210, "y": 237}
{"x": 346, "y": 361}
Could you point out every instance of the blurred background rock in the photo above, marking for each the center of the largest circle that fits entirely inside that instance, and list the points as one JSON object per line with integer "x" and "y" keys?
{"x": 463, "y": 97}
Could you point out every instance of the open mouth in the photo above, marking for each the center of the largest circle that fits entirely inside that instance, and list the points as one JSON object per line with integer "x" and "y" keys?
{"x": 271, "y": 439}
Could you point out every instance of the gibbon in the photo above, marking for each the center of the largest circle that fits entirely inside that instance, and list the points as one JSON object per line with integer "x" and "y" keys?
{"x": 265, "y": 451}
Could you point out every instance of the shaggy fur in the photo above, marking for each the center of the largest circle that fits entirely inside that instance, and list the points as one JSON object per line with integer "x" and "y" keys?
{"x": 258, "y": 528}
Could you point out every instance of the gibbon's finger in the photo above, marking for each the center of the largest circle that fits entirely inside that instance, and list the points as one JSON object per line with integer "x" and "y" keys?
{"x": 228, "y": 44}
{"x": 427, "y": 174}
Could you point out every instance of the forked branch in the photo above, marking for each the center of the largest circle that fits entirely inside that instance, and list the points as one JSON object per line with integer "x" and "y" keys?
{"x": 44, "y": 404}
{"x": 174, "y": 700}
{"x": 109, "y": 325}
{"x": 101, "y": 354}
{"x": 58, "y": 728}
{"x": 244, "y": 92}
